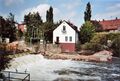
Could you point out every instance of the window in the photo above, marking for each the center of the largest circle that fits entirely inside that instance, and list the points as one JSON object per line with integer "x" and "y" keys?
{"x": 66, "y": 38}
{"x": 64, "y": 28}
{"x": 70, "y": 38}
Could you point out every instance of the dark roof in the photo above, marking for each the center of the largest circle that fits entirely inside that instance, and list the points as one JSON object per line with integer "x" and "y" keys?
{"x": 72, "y": 25}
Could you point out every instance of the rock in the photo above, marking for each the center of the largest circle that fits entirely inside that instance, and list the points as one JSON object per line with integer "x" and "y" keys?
{"x": 104, "y": 55}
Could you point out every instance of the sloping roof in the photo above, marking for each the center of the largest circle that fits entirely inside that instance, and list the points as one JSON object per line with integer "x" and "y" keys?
{"x": 72, "y": 26}
{"x": 109, "y": 24}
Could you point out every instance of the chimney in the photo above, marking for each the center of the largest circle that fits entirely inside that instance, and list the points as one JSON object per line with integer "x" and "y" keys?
{"x": 103, "y": 20}
{"x": 116, "y": 18}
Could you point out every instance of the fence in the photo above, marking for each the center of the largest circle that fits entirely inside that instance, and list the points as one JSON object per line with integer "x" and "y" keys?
{"x": 15, "y": 76}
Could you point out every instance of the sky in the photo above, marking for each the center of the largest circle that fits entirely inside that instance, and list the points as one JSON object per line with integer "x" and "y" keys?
{"x": 69, "y": 10}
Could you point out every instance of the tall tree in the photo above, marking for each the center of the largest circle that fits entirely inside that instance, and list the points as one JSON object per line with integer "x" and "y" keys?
{"x": 12, "y": 28}
{"x": 87, "y": 13}
{"x": 33, "y": 22}
{"x": 8, "y": 29}
{"x": 49, "y": 15}
{"x": 49, "y": 25}
{"x": 86, "y": 32}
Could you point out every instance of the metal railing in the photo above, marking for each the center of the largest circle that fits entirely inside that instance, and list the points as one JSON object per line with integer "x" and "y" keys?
{"x": 15, "y": 76}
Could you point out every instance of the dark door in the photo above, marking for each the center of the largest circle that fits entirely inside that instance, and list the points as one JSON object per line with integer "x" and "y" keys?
{"x": 57, "y": 40}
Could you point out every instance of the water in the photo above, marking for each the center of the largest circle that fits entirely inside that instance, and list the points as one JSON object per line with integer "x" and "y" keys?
{"x": 42, "y": 69}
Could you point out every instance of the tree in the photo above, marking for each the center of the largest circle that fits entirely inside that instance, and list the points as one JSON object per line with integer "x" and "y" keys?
{"x": 20, "y": 33}
{"x": 48, "y": 28}
{"x": 49, "y": 15}
{"x": 8, "y": 29}
{"x": 4, "y": 58}
{"x": 87, "y": 13}
{"x": 49, "y": 25}
{"x": 33, "y": 22}
{"x": 86, "y": 32}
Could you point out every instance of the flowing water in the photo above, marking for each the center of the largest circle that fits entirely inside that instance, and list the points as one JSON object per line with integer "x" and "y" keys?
{"x": 42, "y": 69}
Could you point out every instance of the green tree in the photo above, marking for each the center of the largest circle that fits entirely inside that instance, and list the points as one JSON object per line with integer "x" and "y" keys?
{"x": 86, "y": 32}
{"x": 12, "y": 28}
{"x": 34, "y": 24}
{"x": 49, "y": 25}
{"x": 20, "y": 34}
{"x": 87, "y": 13}
{"x": 8, "y": 29}
{"x": 49, "y": 15}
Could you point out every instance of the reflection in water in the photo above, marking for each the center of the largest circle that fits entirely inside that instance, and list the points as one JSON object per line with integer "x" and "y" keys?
{"x": 42, "y": 69}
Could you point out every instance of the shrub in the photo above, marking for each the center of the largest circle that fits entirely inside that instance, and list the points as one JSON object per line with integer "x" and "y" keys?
{"x": 78, "y": 46}
{"x": 116, "y": 46}
{"x": 112, "y": 36}
{"x": 86, "y": 32}
{"x": 100, "y": 38}
{"x": 93, "y": 47}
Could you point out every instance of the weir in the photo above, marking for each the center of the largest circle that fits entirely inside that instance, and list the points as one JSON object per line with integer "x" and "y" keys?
{"x": 42, "y": 69}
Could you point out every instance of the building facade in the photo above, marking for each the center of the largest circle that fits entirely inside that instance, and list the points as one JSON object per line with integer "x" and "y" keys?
{"x": 66, "y": 35}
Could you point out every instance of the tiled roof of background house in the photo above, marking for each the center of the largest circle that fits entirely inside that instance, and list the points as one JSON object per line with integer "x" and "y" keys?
{"x": 109, "y": 24}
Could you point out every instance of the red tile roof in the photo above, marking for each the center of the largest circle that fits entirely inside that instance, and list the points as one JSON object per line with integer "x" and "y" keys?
{"x": 109, "y": 24}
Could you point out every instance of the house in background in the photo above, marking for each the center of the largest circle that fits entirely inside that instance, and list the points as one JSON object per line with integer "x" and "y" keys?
{"x": 107, "y": 25}
{"x": 21, "y": 27}
{"x": 66, "y": 35}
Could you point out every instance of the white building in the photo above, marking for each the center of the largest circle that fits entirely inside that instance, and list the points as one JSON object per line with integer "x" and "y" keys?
{"x": 66, "y": 35}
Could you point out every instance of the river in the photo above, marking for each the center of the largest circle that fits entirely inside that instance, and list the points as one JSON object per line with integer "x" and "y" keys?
{"x": 42, "y": 69}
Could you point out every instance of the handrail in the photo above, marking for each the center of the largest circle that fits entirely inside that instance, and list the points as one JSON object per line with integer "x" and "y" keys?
{"x": 27, "y": 75}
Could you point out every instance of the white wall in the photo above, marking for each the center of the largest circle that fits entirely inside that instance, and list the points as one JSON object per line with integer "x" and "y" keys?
{"x": 69, "y": 32}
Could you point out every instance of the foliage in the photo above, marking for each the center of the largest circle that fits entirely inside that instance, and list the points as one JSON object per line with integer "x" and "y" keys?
{"x": 100, "y": 38}
{"x": 49, "y": 15}
{"x": 7, "y": 28}
{"x": 86, "y": 32}
{"x": 104, "y": 40}
{"x": 78, "y": 46}
{"x": 87, "y": 13}
{"x": 116, "y": 46}
{"x": 4, "y": 59}
{"x": 33, "y": 23}
{"x": 103, "y": 37}
{"x": 112, "y": 36}
{"x": 92, "y": 46}
{"x": 20, "y": 34}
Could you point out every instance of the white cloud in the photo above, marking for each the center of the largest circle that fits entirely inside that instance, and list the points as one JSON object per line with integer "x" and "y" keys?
{"x": 73, "y": 5}
{"x": 41, "y": 9}
{"x": 11, "y": 2}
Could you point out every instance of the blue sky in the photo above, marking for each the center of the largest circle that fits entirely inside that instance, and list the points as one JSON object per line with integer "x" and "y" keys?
{"x": 72, "y": 10}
